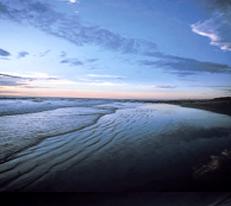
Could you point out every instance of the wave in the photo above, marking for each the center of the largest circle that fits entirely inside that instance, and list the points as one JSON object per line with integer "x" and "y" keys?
{"x": 24, "y": 106}
{"x": 22, "y": 131}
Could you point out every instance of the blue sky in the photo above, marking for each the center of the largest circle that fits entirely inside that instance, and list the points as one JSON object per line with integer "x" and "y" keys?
{"x": 148, "y": 49}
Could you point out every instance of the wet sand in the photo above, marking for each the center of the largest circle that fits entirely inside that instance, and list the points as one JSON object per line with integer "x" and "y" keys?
{"x": 130, "y": 147}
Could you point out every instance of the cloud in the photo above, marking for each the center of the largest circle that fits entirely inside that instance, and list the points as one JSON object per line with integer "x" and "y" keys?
{"x": 4, "y": 53}
{"x": 72, "y": 62}
{"x": 73, "y": 1}
{"x": 63, "y": 54}
{"x": 10, "y": 80}
{"x": 43, "y": 15}
{"x": 75, "y": 61}
{"x": 184, "y": 66}
{"x": 34, "y": 80}
{"x": 217, "y": 31}
{"x": 17, "y": 80}
{"x": 166, "y": 86}
{"x": 218, "y": 27}
{"x": 3, "y": 8}
{"x": 44, "y": 53}
{"x": 22, "y": 54}
{"x": 105, "y": 76}
{"x": 92, "y": 60}
{"x": 222, "y": 6}
{"x": 228, "y": 90}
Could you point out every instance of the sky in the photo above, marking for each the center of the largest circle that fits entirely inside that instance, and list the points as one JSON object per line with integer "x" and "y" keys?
{"x": 133, "y": 49}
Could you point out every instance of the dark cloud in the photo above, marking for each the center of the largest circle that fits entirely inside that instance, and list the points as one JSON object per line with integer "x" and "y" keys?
{"x": 228, "y": 90}
{"x": 44, "y": 16}
{"x": 76, "y": 61}
{"x": 221, "y": 5}
{"x": 3, "y": 8}
{"x": 92, "y": 60}
{"x": 39, "y": 7}
{"x": 22, "y": 54}
{"x": 4, "y": 53}
{"x": 72, "y": 62}
{"x": 182, "y": 73}
{"x": 166, "y": 86}
{"x": 13, "y": 80}
{"x": 63, "y": 54}
{"x": 10, "y": 80}
{"x": 184, "y": 66}
{"x": 222, "y": 87}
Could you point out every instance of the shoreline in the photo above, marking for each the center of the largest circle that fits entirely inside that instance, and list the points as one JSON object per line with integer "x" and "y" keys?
{"x": 219, "y": 105}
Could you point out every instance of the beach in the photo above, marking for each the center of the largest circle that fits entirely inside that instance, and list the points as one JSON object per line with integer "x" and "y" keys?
{"x": 219, "y": 105}
{"x": 84, "y": 145}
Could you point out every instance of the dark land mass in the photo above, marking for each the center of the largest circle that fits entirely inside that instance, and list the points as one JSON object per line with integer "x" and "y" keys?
{"x": 219, "y": 105}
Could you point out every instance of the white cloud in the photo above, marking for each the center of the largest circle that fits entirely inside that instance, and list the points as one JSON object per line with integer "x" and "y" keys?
{"x": 203, "y": 30}
{"x": 73, "y": 1}
{"x": 105, "y": 76}
{"x": 217, "y": 29}
{"x": 51, "y": 83}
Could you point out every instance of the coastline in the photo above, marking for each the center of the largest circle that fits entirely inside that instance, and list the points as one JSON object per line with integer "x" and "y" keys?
{"x": 218, "y": 105}
{"x": 216, "y": 170}
{"x": 129, "y": 150}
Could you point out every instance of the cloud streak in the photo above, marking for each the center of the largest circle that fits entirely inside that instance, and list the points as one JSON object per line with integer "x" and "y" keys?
{"x": 166, "y": 86}
{"x": 23, "y": 54}
{"x": 43, "y": 15}
{"x": 105, "y": 76}
{"x": 72, "y": 62}
{"x": 4, "y": 53}
{"x": 11, "y": 80}
{"x": 44, "y": 53}
{"x": 36, "y": 80}
{"x": 184, "y": 66}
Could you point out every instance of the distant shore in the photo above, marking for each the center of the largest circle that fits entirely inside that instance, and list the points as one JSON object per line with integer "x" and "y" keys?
{"x": 219, "y": 105}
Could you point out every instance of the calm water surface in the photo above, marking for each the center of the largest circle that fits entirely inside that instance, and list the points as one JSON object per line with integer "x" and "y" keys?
{"x": 99, "y": 145}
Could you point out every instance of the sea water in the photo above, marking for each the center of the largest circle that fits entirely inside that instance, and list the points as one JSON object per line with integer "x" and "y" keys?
{"x": 103, "y": 145}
